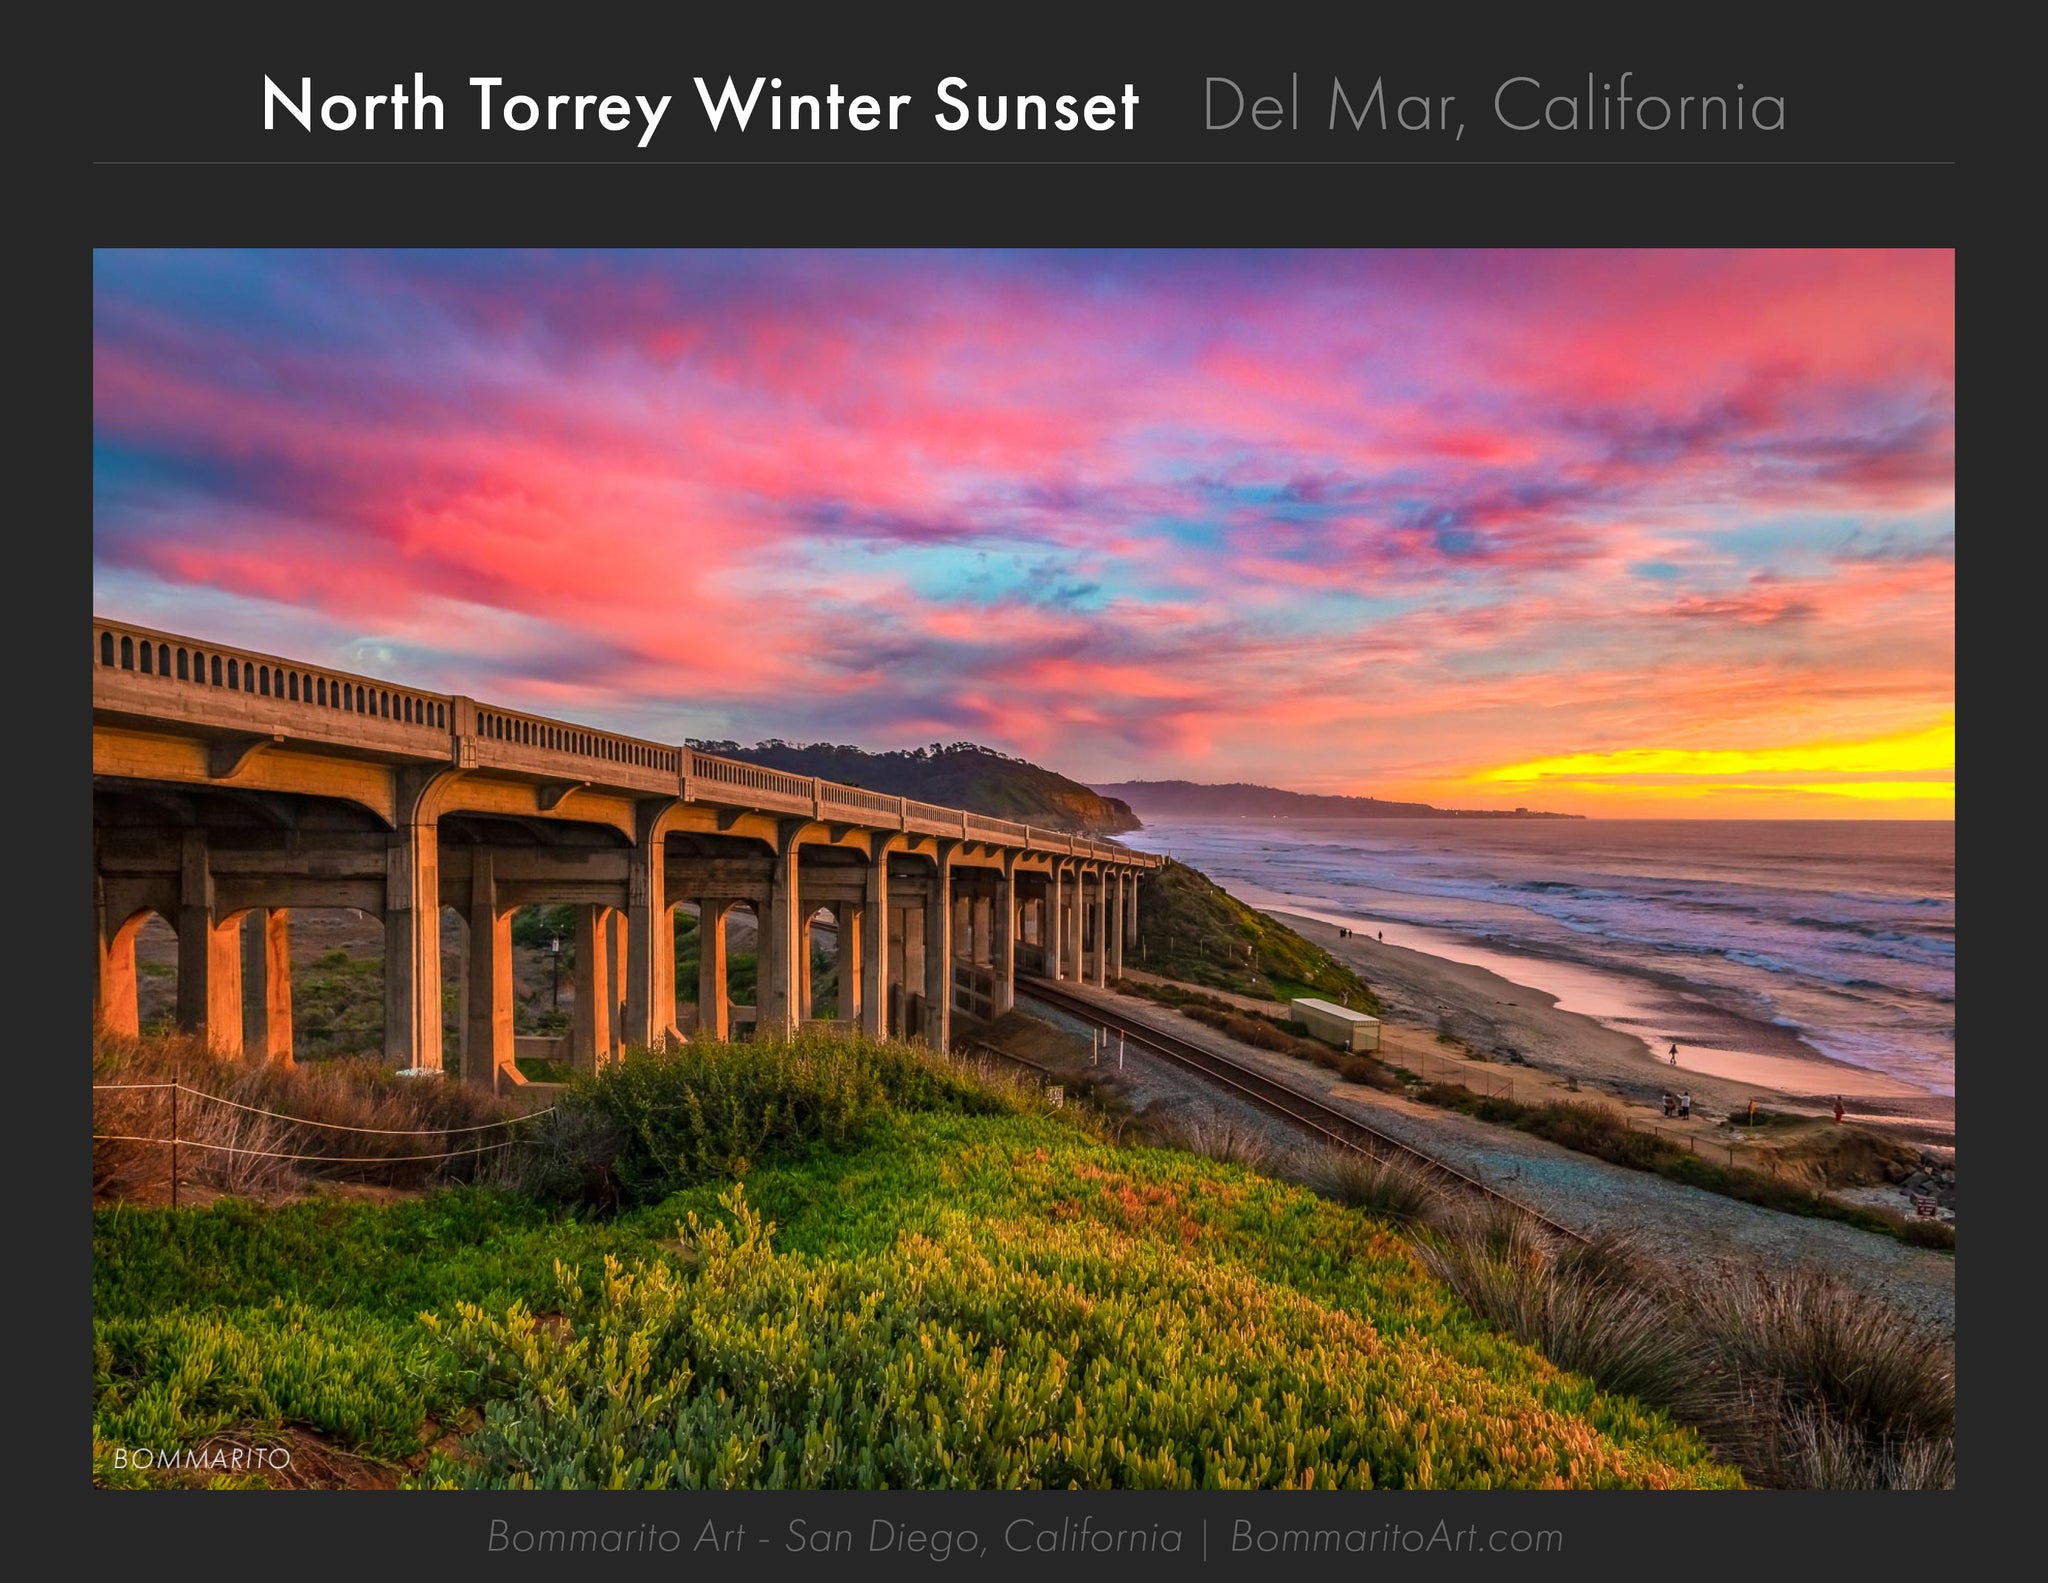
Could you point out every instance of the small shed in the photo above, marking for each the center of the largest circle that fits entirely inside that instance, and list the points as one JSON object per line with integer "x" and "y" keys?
{"x": 1338, "y": 1025}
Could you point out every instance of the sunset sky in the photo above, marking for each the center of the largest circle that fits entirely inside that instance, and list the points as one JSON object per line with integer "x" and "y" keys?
{"x": 1612, "y": 533}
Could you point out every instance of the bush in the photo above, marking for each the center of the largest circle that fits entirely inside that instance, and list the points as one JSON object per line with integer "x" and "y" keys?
{"x": 663, "y": 1120}
{"x": 1827, "y": 1388}
{"x": 1806, "y": 1382}
{"x": 1592, "y": 1309}
{"x": 249, "y": 1127}
{"x": 1385, "y": 1188}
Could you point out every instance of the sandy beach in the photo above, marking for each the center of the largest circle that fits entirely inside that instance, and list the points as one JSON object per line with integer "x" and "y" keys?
{"x": 1524, "y": 1037}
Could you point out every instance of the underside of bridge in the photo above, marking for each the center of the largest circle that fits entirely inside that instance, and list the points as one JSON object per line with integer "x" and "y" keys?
{"x": 231, "y": 789}
{"x": 926, "y": 927}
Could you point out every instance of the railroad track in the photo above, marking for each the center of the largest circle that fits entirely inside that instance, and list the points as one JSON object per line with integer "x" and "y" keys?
{"x": 1333, "y": 1125}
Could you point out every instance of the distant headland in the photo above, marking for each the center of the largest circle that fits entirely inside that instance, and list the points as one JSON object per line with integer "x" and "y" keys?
{"x": 1237, "y": 800}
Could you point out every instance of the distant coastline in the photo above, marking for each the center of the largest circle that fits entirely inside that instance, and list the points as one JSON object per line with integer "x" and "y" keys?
{"x": 1241, "y": 800}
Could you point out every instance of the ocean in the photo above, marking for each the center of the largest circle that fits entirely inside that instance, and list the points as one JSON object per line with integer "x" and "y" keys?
{"x": 1781, "y": 937}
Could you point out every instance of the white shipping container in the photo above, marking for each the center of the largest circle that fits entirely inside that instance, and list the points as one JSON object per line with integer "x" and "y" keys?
{"x": 1338, "y": 1025}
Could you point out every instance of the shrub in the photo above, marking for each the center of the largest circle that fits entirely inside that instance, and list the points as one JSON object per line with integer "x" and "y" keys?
{"x": 664, "y": 1120}
{"x": 1594, "y": 1309}
{"x": 248, "y": 1127}
{"x": 1825, "y": 1382}
{"x": 1385, "y": 1188}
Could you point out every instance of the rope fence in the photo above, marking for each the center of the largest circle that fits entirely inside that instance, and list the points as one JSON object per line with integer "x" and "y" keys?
{"x": 175, "y": 1140}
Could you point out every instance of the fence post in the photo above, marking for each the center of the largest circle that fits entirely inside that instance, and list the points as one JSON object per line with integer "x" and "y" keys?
{"x": 177, "y": 1073}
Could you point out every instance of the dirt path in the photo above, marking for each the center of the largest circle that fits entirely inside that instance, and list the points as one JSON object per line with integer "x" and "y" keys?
{"x": 1691, "y": 1228}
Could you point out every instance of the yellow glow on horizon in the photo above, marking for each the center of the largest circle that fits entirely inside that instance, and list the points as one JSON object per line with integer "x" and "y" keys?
{"x": 1930, "y": 751}
{"x": 1915, "y": 769}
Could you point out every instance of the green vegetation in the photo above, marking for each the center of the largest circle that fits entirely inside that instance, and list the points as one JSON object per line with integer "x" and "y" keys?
{"x": 926, "y": 1281}
{"x": 1598, "y": 1131}
{"x": 1806, "y": 1382}
{"x": 1191, "y": 929}
{"x": 338, "y": 1005}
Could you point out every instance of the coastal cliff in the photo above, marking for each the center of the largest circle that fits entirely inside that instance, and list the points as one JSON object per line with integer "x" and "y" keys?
{"x": 1240, "y": 800}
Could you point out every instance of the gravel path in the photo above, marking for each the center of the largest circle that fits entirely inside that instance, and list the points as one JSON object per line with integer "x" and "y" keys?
{"x": 1693, "y": 1228}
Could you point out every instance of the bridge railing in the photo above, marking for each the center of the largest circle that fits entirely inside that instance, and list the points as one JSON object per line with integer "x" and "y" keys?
{"x": 141, "y": 671}
{"x": 868, "y": 807}
{"x": 162, "y": 673}
{"x": 498, "y": 738}
{"x": 751, "y": 782}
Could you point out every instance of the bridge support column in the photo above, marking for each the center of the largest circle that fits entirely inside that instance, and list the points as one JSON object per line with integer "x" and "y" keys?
{"x": 1131, "y": 911}
{"x": 269, "y": 1032}
{"x": 806, "y": 996}
{"x": 874, "y": 945}
{"x": 1070, "y": 927}
{"x": 714, "y": 1000}
{"x": 488, "y": 1047}
{"x": 412, "y": 944}
{"x": 114, "y": 1004}
{"x": 785, "y": 941}
{"x": 594, "y": 985}
{"x": 650, "y": 937}
{"x": 850, "y": 917}
{"x": 938, "y": 952}
{"x": 617, "y": 957}
{"x": 1115, "y": 935}
{"x": 1102, "y": 920}
{"x": 1005, "y": 938}
{"x": 1050, "y": 934}
{"x": 209, "y": 956}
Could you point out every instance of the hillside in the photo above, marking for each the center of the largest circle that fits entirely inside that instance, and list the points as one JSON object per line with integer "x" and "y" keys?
{"x": 1192, "y": 929}
{"x": 1238, "y": 800}
{"x": 925, "y": 1283}
{"x": 956, "y": 774}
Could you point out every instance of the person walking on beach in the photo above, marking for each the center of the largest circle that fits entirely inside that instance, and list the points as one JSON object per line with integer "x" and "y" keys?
{"x": 1838, "y": 1108}
{"x": 1674, "y": 1052}
{"x": 1685, "y": 1104}
{"x": 1670, "y": 1104}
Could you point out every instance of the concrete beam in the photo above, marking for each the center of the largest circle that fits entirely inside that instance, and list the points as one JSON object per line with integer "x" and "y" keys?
{"x": 412, "y": 928}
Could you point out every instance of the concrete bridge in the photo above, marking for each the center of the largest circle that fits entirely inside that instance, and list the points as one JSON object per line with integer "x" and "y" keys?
{"x": 231, "y": 787}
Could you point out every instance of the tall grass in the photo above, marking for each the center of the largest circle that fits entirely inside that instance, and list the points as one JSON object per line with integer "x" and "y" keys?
{"x": 250, "y": 1128}
{"x": 1385, "y": 1189}
{"x": 1803, "y": 1380}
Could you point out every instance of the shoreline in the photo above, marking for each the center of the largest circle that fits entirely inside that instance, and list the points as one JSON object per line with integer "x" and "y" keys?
{"x": 1482, "y": 1008}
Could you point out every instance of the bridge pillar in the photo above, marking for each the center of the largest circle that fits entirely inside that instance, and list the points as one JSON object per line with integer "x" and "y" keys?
{"x": 1131, "y": 910}
{"x": 785, "y": 941}
{"x": 714, "y": 1000}
{"x": 806, "y": 998}
{"x": 594, "y": 983}
{"x": 874, "y": 944}
{"x": 650, "y": 951}
{"x": 270, "y": 966}
{"x": 1053, "y": 910}
{"x": 938, "y": 951}
{"x": 209, "y": 956}
{"x": 1070, "y": 963}
{"x": 1115, "y": 935}
{"x": 488, "y": 1046}
{"x": 1004, "y": 941}
{"x": 1102, "y": 917}
{"x": 114, "y": 1004}
{"x": 412, "y": 941}
{"x": 849, "y": 917}
{"x": 617, "y": 957}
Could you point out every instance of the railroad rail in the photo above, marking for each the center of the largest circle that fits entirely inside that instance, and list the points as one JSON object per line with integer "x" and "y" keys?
{"x": 1333, "y": 1125}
